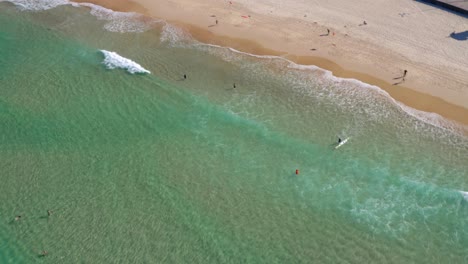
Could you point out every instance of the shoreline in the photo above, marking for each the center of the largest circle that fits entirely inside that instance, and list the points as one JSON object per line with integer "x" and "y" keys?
{"x": 425, "y": 102}
{"x": 406, "y": 94}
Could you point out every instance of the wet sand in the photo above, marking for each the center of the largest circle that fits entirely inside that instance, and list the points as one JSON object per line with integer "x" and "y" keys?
{"x": 433, "y": 84}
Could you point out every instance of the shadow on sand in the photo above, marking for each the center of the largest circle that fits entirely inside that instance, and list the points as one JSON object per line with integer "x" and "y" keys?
{"x": 445, "y": 6}
{"x": 460, "y": 36}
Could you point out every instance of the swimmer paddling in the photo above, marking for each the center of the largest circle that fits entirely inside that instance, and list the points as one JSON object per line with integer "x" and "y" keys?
{"x": 341, "y": 142}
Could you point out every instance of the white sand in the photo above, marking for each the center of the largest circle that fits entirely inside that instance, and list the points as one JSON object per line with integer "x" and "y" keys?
{"x": 410, "y": 30}
{"x": 400, "y": 34}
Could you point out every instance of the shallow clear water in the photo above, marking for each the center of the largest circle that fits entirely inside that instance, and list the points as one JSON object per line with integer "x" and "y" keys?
{"x": 147, "y": 168}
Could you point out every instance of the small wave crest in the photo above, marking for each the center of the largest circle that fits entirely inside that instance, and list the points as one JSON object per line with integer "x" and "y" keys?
{"x": 37, "y": 5}
{"x": 120, "y": 21}
{"x": 353, "y": 93}
{"x": 112, "y": 60}
{"x": 117, "y": 21}
{"x": 398, "y": 208}
{"x": 434, "y": 119}
{"x": 174, "y": 35}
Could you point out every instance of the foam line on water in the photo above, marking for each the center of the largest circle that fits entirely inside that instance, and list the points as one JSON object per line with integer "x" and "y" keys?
{"x": 174, "y": 35}
{"x": 112, "y": 60}
{"x": 119, "y": 21}
{"x": 133, "y": 22}
{"x": 426, "y": 117}
{"x": 37, "y": 5}
{"x": 386, "y": 211}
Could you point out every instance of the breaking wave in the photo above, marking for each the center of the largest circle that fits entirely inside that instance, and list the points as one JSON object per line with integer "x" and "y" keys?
{"x": 112, "y": 60}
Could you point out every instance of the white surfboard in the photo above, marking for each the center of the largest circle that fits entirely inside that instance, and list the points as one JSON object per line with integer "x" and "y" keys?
{"x": 342, "y": 143}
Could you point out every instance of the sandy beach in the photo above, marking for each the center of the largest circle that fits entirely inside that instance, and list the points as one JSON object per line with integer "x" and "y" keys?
{"x": 151, "y": 145}
{"x": 396, "y": 36}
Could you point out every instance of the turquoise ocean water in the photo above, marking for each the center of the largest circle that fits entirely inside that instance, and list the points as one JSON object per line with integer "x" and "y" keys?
{"x": 151, "y": 168}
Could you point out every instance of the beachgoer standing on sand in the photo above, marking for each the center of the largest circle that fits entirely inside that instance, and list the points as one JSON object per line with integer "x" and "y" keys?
{"x": 328, "y": 31}
{"x": 216, "y": 21}
{"x": 404, "y": 73}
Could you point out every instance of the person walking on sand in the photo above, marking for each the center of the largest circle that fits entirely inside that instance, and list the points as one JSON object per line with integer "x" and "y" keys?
{"x": 404, "y": 75}
{"x": 216, "y": 21}
{"x": 328, "y": 31}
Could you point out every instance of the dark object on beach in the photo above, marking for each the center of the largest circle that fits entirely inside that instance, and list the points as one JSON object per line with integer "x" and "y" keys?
{"x": 185, "y": 76}
{"x": 460, "y": 35}
{"x": 328, "y": 31}
{"x": 313, "y": 49}
{"x": 234, "y": 85}
{"x": 18, "y": 217}
{"x": 216, "y": 22}
{"x": 364, "y": 23}
{"x": 401, "y": 77}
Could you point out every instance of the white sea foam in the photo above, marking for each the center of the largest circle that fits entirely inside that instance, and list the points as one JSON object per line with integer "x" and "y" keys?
{"x": 112, "y": 60}
{"x": 360, "y": 90}
{"x": 120, "y": 21}
{"x": 133, "y": 22}
{"x": 174, "y": 35}
{"x": 117, "y": 21}
{"x": 256, "y": 56}
{"x": 434, "y": 119}
{"x": 465, "y": 195}
{"x": 268, "y": 57}
{"x": 37, "y": 5}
